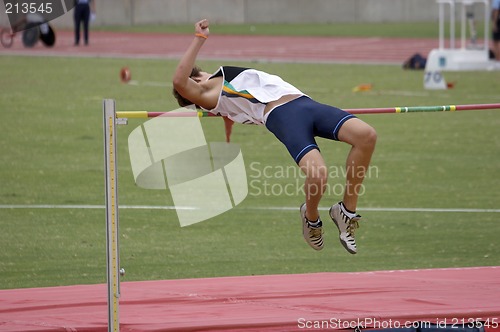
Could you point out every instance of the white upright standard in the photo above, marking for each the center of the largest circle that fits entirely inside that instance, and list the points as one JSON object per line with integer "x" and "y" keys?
{"x": 469, "y": 55}
{"x": 112, "y": 247}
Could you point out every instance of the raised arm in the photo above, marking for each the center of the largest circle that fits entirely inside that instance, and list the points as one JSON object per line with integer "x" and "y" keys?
{"x": 186, "y": 86}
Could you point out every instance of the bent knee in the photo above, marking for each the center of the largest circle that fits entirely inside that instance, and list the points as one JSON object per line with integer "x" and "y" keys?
{"x": 358, "y": 133}
{"x": 316, "y": 174}
{"x": 319, "y": 174}
{"x": 369, "y": 137}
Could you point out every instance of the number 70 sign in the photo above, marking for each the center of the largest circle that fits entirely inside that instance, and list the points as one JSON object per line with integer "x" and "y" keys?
{"x": 434, "y": 80}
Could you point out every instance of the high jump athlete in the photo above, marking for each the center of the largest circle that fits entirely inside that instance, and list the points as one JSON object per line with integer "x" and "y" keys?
{"x": 251, "y": 96}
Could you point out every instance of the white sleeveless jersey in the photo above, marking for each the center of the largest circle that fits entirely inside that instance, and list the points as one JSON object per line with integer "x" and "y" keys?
{"x": 245, "y": 93}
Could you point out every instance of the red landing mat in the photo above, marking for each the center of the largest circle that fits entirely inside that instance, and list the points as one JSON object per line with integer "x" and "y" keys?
{"x": 381, "y": 299}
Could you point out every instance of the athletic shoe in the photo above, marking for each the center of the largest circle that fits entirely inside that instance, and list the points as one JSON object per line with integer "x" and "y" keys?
{"x": 312, "y": 234}
{"x": 347, "y": 226}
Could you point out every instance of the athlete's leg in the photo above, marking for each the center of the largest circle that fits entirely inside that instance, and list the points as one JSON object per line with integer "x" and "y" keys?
{"x": 362, "y": 137}
{"x": 313, "y": 166}
{"x": 294, "y": 127}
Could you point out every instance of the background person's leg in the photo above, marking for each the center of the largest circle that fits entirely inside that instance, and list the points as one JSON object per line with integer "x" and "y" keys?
{"x": 86, "y": 20}
{"x": 78, "y": 23}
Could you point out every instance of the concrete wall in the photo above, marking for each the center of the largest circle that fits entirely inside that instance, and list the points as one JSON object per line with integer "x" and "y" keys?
{"x": 136, "y": 12}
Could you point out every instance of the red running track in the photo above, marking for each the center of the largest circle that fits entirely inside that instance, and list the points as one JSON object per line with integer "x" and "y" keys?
{"x": 264, "y": 303}
{"x": 223, "y": 47}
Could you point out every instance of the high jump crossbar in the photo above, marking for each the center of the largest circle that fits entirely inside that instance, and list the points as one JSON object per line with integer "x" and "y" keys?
{"x": 112, "y": 118}
{"x": 407, "y": 109}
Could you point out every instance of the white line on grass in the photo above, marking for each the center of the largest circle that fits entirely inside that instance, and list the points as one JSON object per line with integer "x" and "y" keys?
{"x": 268, "y": 208}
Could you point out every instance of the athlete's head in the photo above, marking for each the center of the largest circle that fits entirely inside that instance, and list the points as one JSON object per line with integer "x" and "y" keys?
{"x": 197, "y": 75}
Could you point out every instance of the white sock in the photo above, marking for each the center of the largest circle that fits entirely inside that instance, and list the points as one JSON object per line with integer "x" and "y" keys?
{"x": 347, "y": 213}
{"x": 313, "y": 223}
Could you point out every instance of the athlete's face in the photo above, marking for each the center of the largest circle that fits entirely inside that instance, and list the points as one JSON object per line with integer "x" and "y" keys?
{"x": 202, "y": 77}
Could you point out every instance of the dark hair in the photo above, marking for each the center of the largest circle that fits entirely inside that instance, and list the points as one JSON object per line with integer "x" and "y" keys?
{"x": 195, "y": 72}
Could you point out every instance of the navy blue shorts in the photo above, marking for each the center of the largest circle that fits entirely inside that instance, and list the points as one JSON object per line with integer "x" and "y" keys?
{"x": 299, "y": 121}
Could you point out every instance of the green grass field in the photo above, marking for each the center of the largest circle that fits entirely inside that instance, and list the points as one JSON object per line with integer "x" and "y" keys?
{"x": 52, "y": 154}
